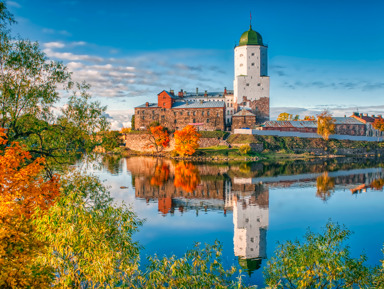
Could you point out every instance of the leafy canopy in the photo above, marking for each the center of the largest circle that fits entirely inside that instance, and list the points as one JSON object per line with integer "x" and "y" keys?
{"x": 325, "y": 124}
{"x": 186, "y": 140}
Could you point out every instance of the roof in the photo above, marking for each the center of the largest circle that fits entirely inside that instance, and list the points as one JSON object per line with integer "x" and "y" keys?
{"x": 346, "y": 120}
{"x": 169, "y": 94}
{"x": 150, "y": 105}
{"x": 244, "y": 112}
{"x": 292, "y": 123}
{"x": 199, "y": 104}
{"x": 250, "y": 37}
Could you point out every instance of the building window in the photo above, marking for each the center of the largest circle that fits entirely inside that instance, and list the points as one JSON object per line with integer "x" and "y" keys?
{"x": 194, "y": 120}
{"x": 253, "y": 64}
{"x": 202, "y": 113}
{"x": 247, "y": 84}
{"x": 174, "y": 113}
{"x": 253, "y": 54}
{"x": 188, "y": 113}
{"x": 218, "y": 114}
{"x": 181, "y": 113}
{"x": 258, "y": 84}
{"x": 194, "y": 113}
{"x": 241, "y": 64}
{"x": 231, "y": 104}
{"x": 207, "y": 120}
{"x": 138, "y": 112}
{"x": 241, "y": 55}
{"x": 207, "y": 112}
{"x": 163, "y": 103}
{"x": 175, "y": 120}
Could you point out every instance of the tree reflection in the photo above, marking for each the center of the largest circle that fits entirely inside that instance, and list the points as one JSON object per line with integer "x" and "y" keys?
{"x": 187, "y": 177}
{"x": 325, "y": 186}
{"x": 112, "y": 164}
{"x": 160, "y": 175}
{"x": 377, "y": 184}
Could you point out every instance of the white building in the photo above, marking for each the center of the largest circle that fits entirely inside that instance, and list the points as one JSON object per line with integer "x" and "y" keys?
{"x": 251, "y": 80}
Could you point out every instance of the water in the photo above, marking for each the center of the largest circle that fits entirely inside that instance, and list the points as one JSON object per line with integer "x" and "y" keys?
{"x": 249, "y": 207}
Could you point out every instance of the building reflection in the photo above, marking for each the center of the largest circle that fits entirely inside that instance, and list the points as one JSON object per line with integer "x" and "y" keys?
{"x": 242, "y": 189}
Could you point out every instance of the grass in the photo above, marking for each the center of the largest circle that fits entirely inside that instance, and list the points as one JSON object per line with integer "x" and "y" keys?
{"x": 213, "y": 134}
{"x": 223, "y": 151}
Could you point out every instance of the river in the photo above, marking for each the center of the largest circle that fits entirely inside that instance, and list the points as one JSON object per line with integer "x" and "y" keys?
{"x": 248, "y": 207}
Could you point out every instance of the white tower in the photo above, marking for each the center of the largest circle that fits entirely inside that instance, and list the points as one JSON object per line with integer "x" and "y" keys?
{"x": 251, "y": 83}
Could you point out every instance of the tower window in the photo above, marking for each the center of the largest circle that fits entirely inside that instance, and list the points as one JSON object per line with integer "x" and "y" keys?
{"x": 253, "y": 64}
{"x": 207, "y": 120}
{"x": 253, "y": 54}
{"x": 247, "y": 84}
{"x": 258, "y": 84}
{"x": 241, "y": 65}
{"x": 207, "y": 112}
{"x": 241, "y": 55}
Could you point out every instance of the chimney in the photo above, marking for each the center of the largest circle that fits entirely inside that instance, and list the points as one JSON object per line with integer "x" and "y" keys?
{"x": 197, "y": 91}
{"x": 147, "y": 104}
{"x": 361, "y": 115}
{"x": 225, "y": 91}
{"x": 180, "y": 94}
{"x": 205, "y": 93}
{"x": 172, "y": 92}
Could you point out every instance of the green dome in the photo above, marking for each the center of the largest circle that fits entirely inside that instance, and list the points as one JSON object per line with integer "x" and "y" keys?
{"x": 250, "y": 37}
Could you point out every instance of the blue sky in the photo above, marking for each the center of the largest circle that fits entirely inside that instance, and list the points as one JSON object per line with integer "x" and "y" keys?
{"x": 322, "y": 54}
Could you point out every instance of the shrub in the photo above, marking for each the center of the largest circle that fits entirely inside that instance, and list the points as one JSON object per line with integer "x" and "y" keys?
{"x": 245, "y": 149}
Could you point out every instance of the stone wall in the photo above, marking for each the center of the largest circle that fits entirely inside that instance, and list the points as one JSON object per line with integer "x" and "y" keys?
{"x": 259, "y": 107}
{"x": 350, "y": 129}
{"x": 138, "y": 142}
{"x": 177, "y": 118}
{"x": 243, "y": 121}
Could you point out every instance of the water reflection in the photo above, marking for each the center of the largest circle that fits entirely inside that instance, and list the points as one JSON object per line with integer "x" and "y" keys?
{"x": 244, "y": 190}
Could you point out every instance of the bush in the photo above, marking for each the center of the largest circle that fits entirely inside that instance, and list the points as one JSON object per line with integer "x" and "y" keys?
{"x": 245, "y": 149}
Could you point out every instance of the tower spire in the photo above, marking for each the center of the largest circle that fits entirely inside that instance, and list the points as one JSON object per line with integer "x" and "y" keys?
{"x": 250, "y": 19}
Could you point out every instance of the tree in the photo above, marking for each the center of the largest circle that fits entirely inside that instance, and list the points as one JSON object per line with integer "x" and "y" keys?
{"x": 378, "y": 124}
{"x": 309, "y": 118}
{"x": 186, "y": 140}
{"x": 90, "y": 239}
{"x": 245, "y": 149}
{"x": 161, "y": 174}
{"x": 22, "y": 190}
{"x": 133, "y": 122}
{"x": 110, "y": 140}
{"x": 29, "y": 89}
{"x": 322, "y": 261}
{"x": 325, "y": 124}
{"x": 158, "y": 138}
{"x": 198, "y": 268}
{"x": 284, "y": 116}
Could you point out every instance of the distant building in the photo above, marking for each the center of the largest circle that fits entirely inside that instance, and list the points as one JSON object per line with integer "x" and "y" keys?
{"x": 215, "y": 111}
{"x": 368, "y": 121}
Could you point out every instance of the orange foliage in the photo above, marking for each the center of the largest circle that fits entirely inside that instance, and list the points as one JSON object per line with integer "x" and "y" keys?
{"x": 325, "y": 186}
{"x": 161, "y": 175}
{"x": 325, "y": 124}
{"x": 309, "y": 118}
{"x": 378, "y": 124}
{"x": 377, "y": 184}
{"x": 186, "y": 140}
{"x": 159, "y": 138}
{"x": 186, "y": 177}
{"x": 22, "y": 190}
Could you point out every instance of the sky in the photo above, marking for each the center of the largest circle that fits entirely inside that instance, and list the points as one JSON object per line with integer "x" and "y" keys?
{"x": 322, "y": 54}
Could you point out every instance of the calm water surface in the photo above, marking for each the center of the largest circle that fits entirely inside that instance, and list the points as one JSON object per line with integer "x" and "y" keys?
{"x": 248, "y": 207}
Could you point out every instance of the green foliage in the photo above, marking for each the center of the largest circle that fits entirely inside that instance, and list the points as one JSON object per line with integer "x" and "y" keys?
{"x": 90, "y": 239}
{"x": 110, "y": 140}
{"x": 198, "y": 268}
{"x": 213, "y": 134}
{"x": 245, "y": 149}
{"x": 322, "y": 261}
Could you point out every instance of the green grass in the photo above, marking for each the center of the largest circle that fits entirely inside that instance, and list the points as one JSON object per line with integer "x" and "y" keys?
{"x": 222, "y": 151}
{"x": 213, "y": 134}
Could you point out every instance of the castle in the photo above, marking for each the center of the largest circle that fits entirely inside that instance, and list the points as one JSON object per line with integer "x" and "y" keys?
{"x": 244, "y": 107}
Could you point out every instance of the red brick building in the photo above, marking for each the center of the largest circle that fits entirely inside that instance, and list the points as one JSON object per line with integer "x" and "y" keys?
{"x": 243, "y": 119}
{"x": 176, "y": 112}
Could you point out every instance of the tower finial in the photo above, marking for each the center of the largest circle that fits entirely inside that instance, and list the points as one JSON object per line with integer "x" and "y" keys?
{"x": 250, "y": 19}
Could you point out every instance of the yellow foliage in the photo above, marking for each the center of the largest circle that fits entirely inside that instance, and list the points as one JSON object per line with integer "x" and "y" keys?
{"x": 186, "y": 140}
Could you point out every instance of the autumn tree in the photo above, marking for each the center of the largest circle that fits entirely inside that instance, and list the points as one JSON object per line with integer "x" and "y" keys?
{"x": 22, "y": 191}
{"x": 158, "y": 138}
{"x": 284, "y": 116}
{"x": 378, "y": 124}
{"x": 160, "y": 175}
{"x": 186, "y": 140}
{"x": 309, "y": 118}
{"x": 325, "y": 124}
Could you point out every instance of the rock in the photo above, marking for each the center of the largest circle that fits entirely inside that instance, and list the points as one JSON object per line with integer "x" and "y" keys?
{"x": 123, "y": 187}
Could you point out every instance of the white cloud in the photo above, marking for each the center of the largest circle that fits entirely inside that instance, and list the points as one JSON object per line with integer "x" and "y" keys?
{"x": 13, "y": 4}
{"x": 54, "y": 44}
